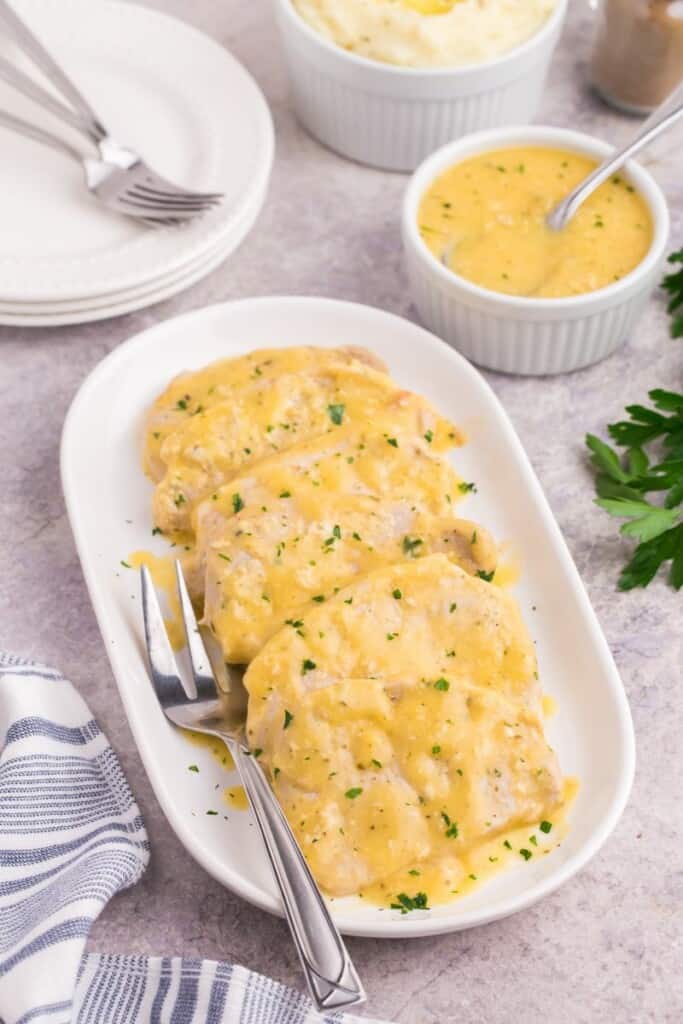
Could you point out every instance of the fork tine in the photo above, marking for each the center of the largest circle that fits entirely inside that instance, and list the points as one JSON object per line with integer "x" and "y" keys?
{"x": 172, "y": 206}
{"x": 200, "y": 663}
{"x": 171, "y": 193}
{"x": 167, "y": 680}
{"x": 180, "y": 202}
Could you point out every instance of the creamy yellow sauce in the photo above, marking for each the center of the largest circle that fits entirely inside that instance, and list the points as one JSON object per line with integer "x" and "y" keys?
{"x": 426, "y": 33}
{"x": 443, "y": 883}
{"x": 394, "y": 697}
{"x": 215, "y": 747}
{"x": 485, "y": 219}
{"x": 236, "y": 798}
{"x": 404, "y": 730}
{"x": 162, "y": 571}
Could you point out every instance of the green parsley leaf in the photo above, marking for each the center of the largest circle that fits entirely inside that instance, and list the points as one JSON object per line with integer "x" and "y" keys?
{"x": 352, "y": 793}
{"x": 429, "y": 436}
{"x": 406, "y": 903}
{"x": 673, "y": 284}
{"x": 193, "y": 768}
{"x": 623, "y": 483}
{"x": 488, "y": 576}
{"x": 527, "y": 854}
{"x": 397, "y": 594}
{"x": 336, "y": 414}
{"x": 237, "y": 503}
{"x": 288, "y": 719}
{"x": 307, "y": 666}
{"x": 466, "y": 488}
{"x": 410, "y": 546}
{"x": 442, "y": 684}
{"x": 546, "y": 826}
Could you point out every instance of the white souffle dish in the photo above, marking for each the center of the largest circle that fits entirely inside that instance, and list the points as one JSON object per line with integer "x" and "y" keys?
{"x": 392, "y": 117}
{"x": 514, "y": 334}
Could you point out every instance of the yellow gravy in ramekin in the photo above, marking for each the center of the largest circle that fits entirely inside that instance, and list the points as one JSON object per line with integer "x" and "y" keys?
{"x": 485, "y": 219}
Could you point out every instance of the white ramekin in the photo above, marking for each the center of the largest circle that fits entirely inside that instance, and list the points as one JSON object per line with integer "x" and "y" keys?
{"x": 520, "y": 335}
{"x": 393, "y": 117}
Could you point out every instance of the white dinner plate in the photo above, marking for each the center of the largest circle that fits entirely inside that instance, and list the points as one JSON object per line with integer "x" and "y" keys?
{"x": 161, "y": 87}
{"x": 108, "y": 501}
{"x": 90, "y": 310}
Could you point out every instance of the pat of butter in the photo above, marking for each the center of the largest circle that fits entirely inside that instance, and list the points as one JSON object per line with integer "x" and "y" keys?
{"x": 430, "y": 6}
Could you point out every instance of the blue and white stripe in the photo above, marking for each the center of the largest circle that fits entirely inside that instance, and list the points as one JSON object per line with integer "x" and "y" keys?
{"x": 71, "y": 836}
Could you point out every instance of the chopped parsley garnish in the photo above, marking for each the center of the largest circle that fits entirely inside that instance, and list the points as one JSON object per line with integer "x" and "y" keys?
{"x": 393, "y": 442}
{"x": 336, "y": 413}
{"x": 193, "y": 768}
{"x": 546, "y": 826}
{"x": 391, "y": 636}
{"x": 397, "y": 594}
{"x": 436, "y": 750}
{"x": 285, "y": 494}
{"x": 451, "y": 826}
{"x": 465, "y": 487}
{"x": 257, "y": 752}
{"x": 410, "y": 546}
{"x": 488, "y": 576}
{"x": 527, "y": 854}
{"x": 429, "y": 436}
{"x": 181, "y": 404}
{"x": 352, "y": 793}
{"x": 237, "y": 503}
{"x": 376, "y": 763}
{"x": 336, "y": 532}
{"x": 156, "y": 531}
{"x": 453, "y": 607}
{"x": 507, "y": 844}
{"x": 442, "y": 684}
{"x": 319, "y": 598}
{"x": 406, "y": 903}
{"x": 307, "y": 666}
{"x": 179, "y": 500}
{"x": 212, "y": 813}
{"x": 226, "y": 558}
{"x": 288, "y": 719}
{"x": 126, "y": 565}
{"x": 294, "y": 623}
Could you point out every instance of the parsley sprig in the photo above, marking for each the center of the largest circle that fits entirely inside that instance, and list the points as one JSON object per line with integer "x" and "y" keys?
{"x": 623, "y": 481}
{"x": 673, "y": 284}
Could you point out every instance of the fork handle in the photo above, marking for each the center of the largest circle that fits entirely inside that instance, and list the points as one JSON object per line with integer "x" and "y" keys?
{"x": 33, "y": 48}
{"x": 27, "y": 87}
{"x": 332, "y": 979}
{"x": 16, "y": 124}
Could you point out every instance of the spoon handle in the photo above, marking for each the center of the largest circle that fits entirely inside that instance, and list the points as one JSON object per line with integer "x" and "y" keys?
{"x": 659, "y": 121}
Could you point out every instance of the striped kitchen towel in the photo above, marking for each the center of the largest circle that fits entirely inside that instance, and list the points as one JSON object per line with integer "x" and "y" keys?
{"x": 71, "y": 836}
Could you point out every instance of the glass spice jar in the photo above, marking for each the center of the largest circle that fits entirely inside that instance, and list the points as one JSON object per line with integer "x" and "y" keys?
{"x": 638, "y": 52}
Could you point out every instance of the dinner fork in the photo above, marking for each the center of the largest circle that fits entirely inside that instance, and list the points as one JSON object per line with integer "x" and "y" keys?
{"x": 202, "y": 707}
{"x": 117, "y": 175}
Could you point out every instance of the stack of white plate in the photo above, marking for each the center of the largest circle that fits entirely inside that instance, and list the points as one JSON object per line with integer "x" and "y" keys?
{"x": 193, "y": 113}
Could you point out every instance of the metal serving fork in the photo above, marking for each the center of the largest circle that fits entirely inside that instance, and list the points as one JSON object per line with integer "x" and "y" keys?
{"x": 331, "y": 977}
{"x": 117, "y": 175}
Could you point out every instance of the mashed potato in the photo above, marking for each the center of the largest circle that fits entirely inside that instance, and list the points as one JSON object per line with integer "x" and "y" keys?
{"x": 426, "y": 33}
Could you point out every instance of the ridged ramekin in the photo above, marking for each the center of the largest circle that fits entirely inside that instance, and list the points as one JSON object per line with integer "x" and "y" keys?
{"x": 393, "y": 117}
{"x": 522, "y": 335}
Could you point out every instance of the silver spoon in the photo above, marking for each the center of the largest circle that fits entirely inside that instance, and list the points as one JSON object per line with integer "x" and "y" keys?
{"x": 659, "y": 121}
